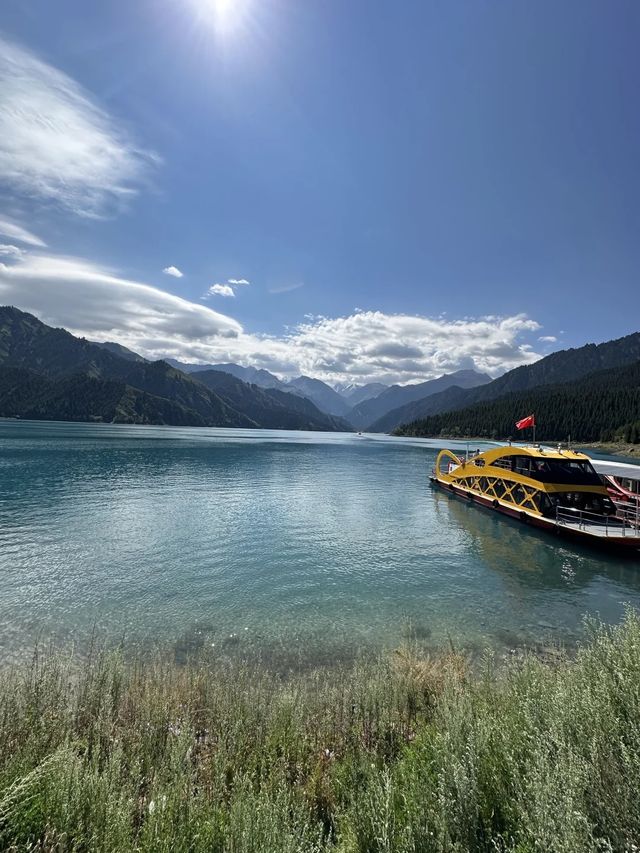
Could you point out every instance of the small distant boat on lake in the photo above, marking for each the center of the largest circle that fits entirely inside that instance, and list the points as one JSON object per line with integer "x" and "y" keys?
{"x": 556, "y": 490}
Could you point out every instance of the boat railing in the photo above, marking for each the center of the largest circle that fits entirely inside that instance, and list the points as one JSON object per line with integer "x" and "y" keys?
{"x": 624, "y": 523}
{"x": 630, "y": 512}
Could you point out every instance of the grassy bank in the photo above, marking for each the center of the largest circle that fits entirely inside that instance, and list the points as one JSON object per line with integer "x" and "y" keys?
{"x": 407, "y": 754}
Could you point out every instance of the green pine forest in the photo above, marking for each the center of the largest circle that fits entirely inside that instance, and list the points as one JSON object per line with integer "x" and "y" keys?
{"x": 603, "y": 406}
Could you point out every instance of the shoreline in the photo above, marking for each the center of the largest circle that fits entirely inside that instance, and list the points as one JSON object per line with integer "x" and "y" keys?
{"x": 615, "y": 448}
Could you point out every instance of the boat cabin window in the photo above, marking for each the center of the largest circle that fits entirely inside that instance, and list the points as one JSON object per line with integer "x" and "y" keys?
{"x": 564, "y": 471}
{"x": 522, "y": 465}
{"x": 580, "y": 472}
{"x": 504, "y": 462}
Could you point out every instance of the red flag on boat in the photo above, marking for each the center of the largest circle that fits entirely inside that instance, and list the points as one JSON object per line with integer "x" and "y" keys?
{"x": 529, "y": 421}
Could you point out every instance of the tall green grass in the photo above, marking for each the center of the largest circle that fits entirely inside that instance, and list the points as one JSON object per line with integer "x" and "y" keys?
{"x": 407, "y": 754}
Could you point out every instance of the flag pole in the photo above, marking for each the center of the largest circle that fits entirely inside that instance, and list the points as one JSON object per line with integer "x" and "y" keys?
{"x": 534, "y": 431}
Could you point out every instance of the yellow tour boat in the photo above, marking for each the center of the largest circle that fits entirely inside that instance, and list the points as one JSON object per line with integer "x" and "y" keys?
{"x": 557, "y": 490}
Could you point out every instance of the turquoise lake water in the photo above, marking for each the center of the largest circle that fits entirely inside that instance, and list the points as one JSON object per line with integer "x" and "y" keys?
{"x": 299, "y": 547}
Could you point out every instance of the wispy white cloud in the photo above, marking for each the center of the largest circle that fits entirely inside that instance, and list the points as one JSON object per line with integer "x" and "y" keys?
{"x": 286, "y": 288}
{"x": 548, "y": 339}
{"x": 57, "y": 143}
{"x": 9, "y": 251}
{"x": 174, "y": 271}
{"x": 17, "y": 232}
{"x": 221, "y": 290}
{"x": 237, "y": 281}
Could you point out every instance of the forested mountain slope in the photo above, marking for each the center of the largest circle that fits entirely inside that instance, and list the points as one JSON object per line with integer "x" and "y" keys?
{"x": 601, "y": 406}
{"x": 369, "y": 411}
{"x": 50, "y": 373}
{"x": 321, "y": 394}
{"x": 558, "y": 367}
{"x": 81, "y": 397}
{"x": 270, "y": 407}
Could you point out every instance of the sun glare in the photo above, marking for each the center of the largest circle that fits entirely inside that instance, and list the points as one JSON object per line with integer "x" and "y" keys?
{"x": 227, "y": 16}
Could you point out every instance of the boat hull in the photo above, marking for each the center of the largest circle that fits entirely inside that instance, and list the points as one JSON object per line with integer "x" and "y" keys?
{"x": 619, "y": 543}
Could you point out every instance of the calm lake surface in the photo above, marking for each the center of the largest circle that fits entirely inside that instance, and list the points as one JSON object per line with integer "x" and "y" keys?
{"x": 295, "y": 546}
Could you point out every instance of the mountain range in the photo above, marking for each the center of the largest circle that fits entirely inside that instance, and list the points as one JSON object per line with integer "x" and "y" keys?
{"x": 252, "y": 375}
{"x": 331, "y": 400}
{"x": 355, "y": 394}
{"x": 562, "y": 366}
{"x": 368, "y": 412}
{"x": 51, "y": 374}
{"x": 603, "y": 405}
{"x": 360, "y": 405}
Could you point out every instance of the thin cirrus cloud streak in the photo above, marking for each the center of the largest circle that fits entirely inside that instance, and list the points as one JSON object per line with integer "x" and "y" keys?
{"x": 17, "y": 232}
{"x": 286, "y": 288}
{"x": 58, "y": 145}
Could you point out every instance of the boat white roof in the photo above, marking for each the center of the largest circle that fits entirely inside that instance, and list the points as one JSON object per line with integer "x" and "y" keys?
{"x": 617, "y": 469}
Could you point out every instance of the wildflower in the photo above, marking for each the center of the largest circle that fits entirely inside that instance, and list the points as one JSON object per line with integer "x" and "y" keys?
{"x": 152, "y": 804}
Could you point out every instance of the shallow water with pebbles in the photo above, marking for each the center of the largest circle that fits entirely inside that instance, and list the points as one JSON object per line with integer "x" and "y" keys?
{"x": 300, "y": 548}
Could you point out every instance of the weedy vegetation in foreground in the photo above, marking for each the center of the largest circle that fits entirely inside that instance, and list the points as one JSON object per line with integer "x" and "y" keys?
{"x": 408, "y": 754}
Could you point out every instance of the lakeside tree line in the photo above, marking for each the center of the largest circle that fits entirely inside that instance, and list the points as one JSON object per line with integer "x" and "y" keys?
{"x": 603, "y": 406}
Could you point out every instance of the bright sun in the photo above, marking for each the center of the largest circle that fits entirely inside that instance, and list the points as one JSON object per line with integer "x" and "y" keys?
{"x": 229, "y": 16}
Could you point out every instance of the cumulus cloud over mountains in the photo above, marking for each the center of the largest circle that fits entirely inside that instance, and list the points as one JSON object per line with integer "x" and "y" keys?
{"x": 372, "y": 346}
{"x": 366, "y": 346}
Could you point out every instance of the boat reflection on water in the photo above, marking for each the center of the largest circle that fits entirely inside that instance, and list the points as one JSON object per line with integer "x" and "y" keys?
{"x": 526, "y": 557}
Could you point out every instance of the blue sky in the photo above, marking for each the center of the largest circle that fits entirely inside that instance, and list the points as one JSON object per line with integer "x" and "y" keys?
{"x": 408, "y": 187}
